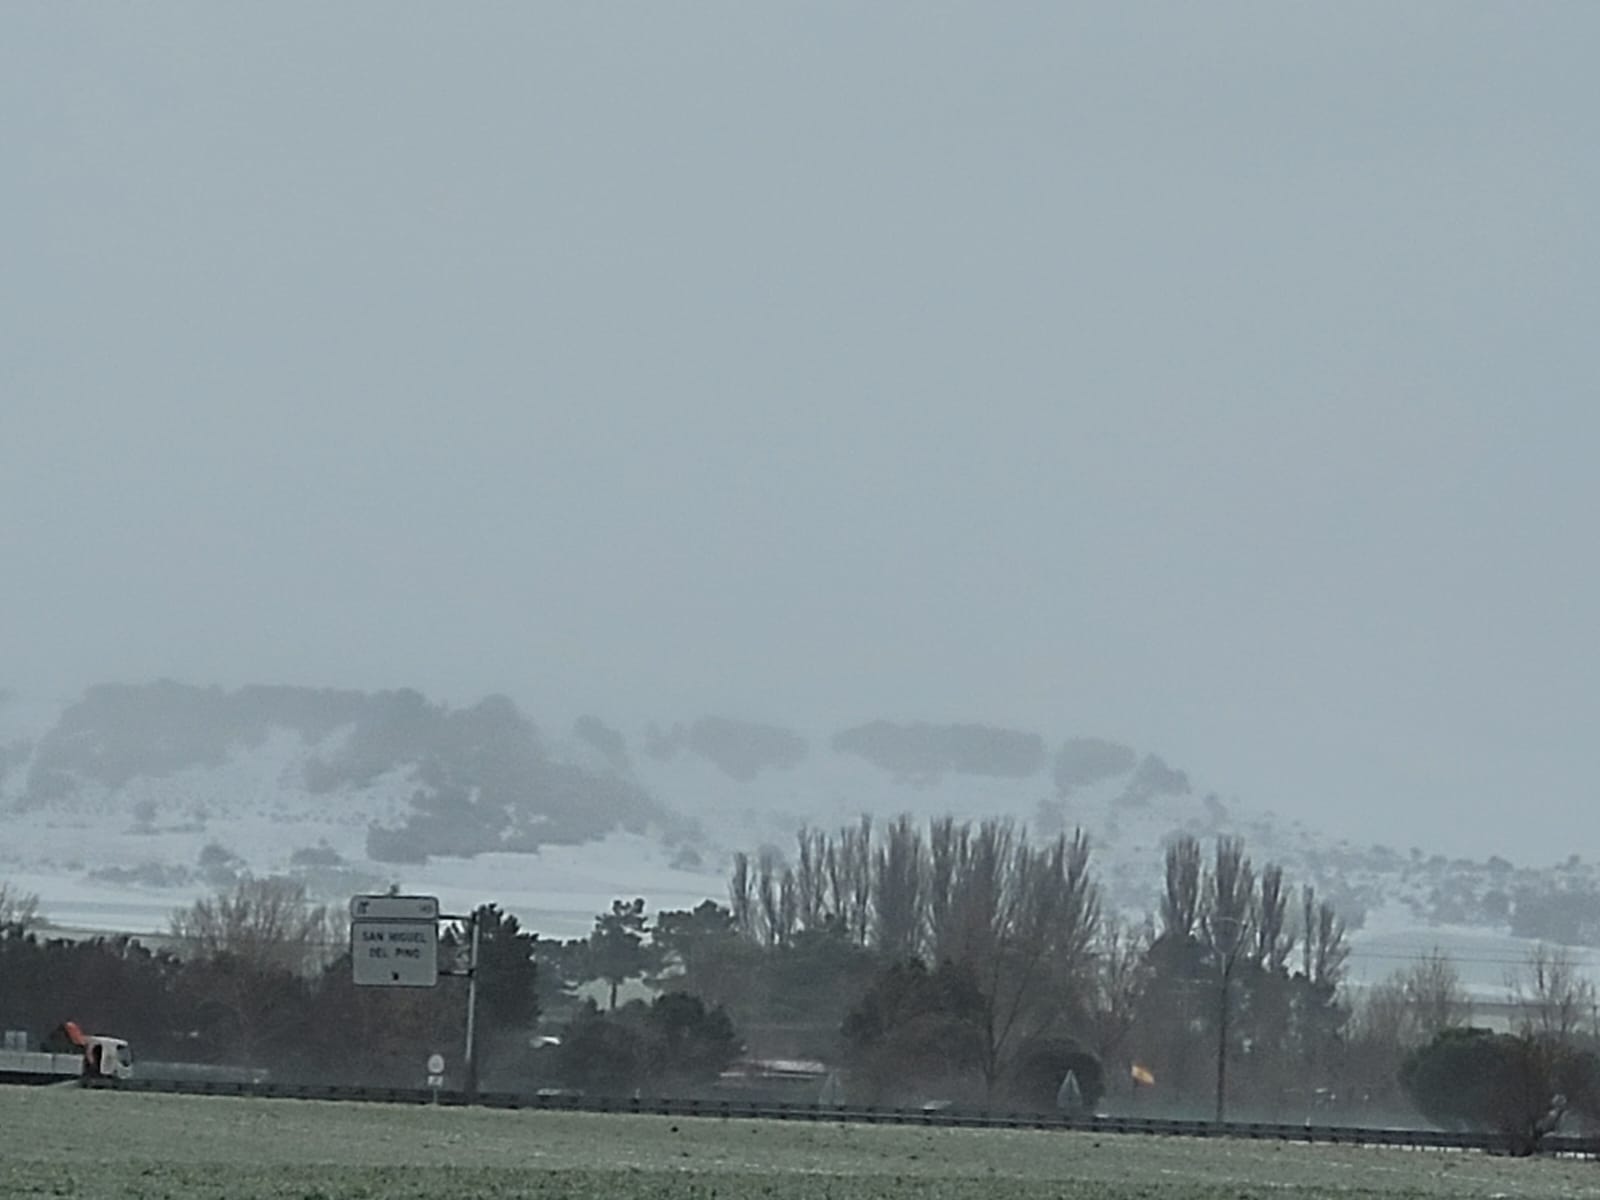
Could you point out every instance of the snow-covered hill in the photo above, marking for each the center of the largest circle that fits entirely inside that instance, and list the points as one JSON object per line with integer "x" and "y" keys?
{"x": 133, "y": 800}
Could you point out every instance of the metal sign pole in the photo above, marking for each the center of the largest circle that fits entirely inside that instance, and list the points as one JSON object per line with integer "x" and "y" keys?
{"x": 472, "y": 1011}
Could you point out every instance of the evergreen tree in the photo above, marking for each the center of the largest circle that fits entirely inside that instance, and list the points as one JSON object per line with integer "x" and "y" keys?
{"x": 617, "y": 950}
{"x": 508, "y": 976}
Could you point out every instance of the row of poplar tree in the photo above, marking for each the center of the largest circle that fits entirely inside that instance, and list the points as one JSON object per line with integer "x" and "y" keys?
{"x": 962, "y": 960}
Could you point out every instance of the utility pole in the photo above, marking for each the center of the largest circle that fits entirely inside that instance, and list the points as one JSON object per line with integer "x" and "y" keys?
{"x": 1222, "y": 1037}
{"x": 472, "y": 1012}
{"x": 1227, "y": 954}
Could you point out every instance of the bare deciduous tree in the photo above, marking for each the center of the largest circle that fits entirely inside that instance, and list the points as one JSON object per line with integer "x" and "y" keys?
{"x": 898, "y": 891}
{"x": 788, "y": 906}
{"x": 982, "y": 904}
{"x": 1078, "y": 918}
{"x": 1027, "y": 920}
{"x": 855, "y": 854}
{"x": 1323, "y": 940}
{"x": 1274, "y": 940}
{"x": 770, "y": 908}
{"x": 1384, "y": 1017}
{"x": 265, "y": 924}
{"x": 1228, "y": 915}
{"x": 19, "y": 910}
{"x": 1434, "y": 992}
{"x": 1020, "y": 921}
{"x": 250, "y": 950}
{"x": 1180, "y": 902}
{"x": 1382, "y": 1030}
{"x": 741, "y": 896}
{"x": 810, "y": 877}
{"x": 1228, "y": 919}
{"x": 1121, "y": 974}
{"x": 947, "y": 856}
{"x": 1555, "y": 1000}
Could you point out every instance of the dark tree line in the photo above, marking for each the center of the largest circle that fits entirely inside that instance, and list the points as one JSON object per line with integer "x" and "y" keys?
{"x": 258, "y": 979}
{"x": 960, "y": 962}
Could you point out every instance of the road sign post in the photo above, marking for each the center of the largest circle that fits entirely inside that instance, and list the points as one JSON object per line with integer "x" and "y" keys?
{"x": 394, "y": 942}
{"x": 436, "y": 1074}
{"x": 472, "y": 1011}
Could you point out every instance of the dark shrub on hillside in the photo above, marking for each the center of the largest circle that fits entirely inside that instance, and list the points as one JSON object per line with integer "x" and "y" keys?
{"x": 609, "y": 742}
{"x": 13, "y": 755}
{"x": 743, "y": 749}
{"x": 120, "y": 732}
{"x": 549, "y": 804}
{"x": 924, "y": 751}
{"x": 392, "y": 729}
{"x": 485, "y": 781}
{"x": 1570, "y": 916}
{"x": 1088, "y": 760}
{"x": 1154, "y": 778}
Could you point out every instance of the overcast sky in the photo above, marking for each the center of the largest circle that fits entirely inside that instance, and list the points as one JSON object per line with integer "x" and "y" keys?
{"x": 1219, "y": 378}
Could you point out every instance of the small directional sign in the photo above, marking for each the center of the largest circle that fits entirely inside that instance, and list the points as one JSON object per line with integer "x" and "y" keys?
{"x": 394, "y": 908}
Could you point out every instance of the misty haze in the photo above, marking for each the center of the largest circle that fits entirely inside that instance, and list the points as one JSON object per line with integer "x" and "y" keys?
{"x": 718, "y": 495}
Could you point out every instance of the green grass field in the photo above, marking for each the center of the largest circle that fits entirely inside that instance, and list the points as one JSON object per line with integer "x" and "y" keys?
{"x": 93, "y": 1144}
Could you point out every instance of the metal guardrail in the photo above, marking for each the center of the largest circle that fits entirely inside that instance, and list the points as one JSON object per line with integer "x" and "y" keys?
{"x": 1415, "y": 1139}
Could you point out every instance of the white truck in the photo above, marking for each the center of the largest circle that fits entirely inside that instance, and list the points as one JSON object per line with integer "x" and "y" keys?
{"x": 94, "y": 1057}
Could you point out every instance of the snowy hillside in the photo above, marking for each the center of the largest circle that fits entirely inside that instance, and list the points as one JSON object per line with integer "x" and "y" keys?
{"x": 132, "y": 801}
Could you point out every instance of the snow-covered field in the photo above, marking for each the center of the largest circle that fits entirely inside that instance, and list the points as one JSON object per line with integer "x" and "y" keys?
{"x": 557, "y": 892}
{"x": 279, "y": 1148}
{"x": 1487, "y": 961}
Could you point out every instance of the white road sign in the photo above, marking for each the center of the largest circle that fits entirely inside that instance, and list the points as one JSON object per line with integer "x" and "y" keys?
{"x": 390, "y": 953}
{"x": 435, "y": 1064}
{"x": 394, "y": 908}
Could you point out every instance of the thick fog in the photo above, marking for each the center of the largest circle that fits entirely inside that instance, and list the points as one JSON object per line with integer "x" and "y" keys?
{"x": 1220, "y": 379}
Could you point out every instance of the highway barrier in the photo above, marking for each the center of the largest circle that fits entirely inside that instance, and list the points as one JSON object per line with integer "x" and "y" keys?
{"x": 964, "y": 1118}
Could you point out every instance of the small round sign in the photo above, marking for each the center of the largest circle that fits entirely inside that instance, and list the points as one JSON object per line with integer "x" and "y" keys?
{"x": 435, "y": 1064}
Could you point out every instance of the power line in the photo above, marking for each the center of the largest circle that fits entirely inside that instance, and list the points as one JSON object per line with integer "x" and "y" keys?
{"x": 1581, "y": 957}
